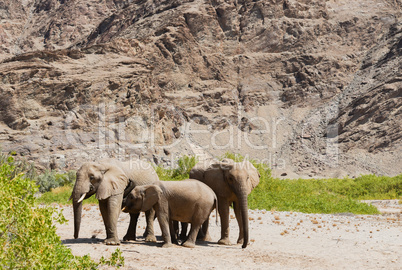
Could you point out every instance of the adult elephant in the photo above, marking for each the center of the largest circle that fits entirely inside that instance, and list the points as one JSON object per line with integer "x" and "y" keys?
{"x": 232, "y": 182}
{"x": 111, "y": 180}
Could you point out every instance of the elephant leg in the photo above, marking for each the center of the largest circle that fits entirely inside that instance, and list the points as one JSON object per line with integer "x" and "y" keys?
{"x": 183, "y": 233}
{"x": 205, "y": 231}
{"x": 175, "y": 224}
{"x": 200, "y": 235}
{"x": 239, "y": 219}
{"x": 132, "y": 227}
{"x": 103, "y": 207}
{"x": 174, "y": 227}
{"x": 223, "y": 210}
{"x": 110, "y": 210}
{"x": 149, "y": 231}
{"x": 164, "y": 223}
{"x": 192, "y": 235}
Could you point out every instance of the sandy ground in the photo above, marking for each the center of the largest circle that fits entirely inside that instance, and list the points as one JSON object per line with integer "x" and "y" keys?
{"x": 278, "y": 240}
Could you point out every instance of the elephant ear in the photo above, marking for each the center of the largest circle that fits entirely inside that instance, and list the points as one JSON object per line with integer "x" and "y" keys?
{"x": 253, "y": 175}
{"x": 113, "y": 183}
{"x": 151, "y": 196}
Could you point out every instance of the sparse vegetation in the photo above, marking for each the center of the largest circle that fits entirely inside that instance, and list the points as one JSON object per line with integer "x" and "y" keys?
{"x": 116, "y": 259}
{"x": 28, "y": 238}
{"x": 303, "y": 195}
{"x": 182, "y": 171}
{"x": 52, "y": 179}
{"x": 21, "y": 166}
{"x": 61, "y": 195}
{"x": 320, "y": 195}
{"x": 27, "y": 234}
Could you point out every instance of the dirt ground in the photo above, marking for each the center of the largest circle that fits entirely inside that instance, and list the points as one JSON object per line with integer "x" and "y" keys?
{"x": 278, "y": 240}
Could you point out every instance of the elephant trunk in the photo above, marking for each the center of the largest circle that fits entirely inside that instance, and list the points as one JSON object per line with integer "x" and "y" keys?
{"x": 77, "y": 207}
{"x": 241, "y": 191}
{"x": 82, "y": 190}
{"x": 244, "y": 215}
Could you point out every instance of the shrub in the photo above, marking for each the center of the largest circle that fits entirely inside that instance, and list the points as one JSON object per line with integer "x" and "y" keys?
{"x": 184, "y": 165}
{"x": 180, "y": 172}
{"x": 53, "y": 179}
{"x": 115, "y": 260}
{"x": 61, "y": 195}
{"x": 310, "y": 196}
{"x": 21, "y": 166}
{"x": 28, "y": 236}
{"x": 46, "y": 181}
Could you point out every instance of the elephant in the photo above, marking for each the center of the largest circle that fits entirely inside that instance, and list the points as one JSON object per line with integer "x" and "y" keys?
{"x": 112, "y": 180}
{"x": 189, "y": 201}
{"x": 232, "y": 182}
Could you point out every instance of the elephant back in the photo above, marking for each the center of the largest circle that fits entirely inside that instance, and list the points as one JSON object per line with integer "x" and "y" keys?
{"x": 140, "y": 172}
{"x": 197, "y": 172}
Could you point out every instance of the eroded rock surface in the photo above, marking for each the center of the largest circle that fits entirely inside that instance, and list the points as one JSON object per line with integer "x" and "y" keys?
{"x": 311, "y": 87}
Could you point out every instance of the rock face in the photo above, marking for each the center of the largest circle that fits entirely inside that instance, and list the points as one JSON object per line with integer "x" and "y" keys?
{"x": 311, "y": 87}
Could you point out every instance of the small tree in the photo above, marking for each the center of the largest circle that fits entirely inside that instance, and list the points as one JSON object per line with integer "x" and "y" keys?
{"x": 28, "y": 237}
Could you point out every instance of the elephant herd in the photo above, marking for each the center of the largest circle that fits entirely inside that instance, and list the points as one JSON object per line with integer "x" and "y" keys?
{"x": 134, "y": 187}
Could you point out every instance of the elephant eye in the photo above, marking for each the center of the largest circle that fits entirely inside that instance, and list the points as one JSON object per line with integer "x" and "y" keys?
{"x": 91, "y": 178}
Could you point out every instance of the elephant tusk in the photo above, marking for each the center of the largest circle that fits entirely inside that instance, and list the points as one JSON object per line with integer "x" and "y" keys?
{"x": 124, "y": 208}
{"x": 82, "y": 198}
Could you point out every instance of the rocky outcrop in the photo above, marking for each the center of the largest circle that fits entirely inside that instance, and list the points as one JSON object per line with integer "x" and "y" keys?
{"x": 371, "y": 119}
{"x": 158, "y": 79}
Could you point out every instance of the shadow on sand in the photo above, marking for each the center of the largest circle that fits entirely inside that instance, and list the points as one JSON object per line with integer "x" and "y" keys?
{"x": 139, "y": 241}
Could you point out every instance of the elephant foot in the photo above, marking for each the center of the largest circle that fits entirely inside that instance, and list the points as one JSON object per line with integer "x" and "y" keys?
{"x": 129, "y": 238}
{"x": 224, "y": 241}
{"x": 207, "y": 237}
{"x": 175, "y": 242}
{"x": 200, "y": 235}
{"x": 166, "y": 245}
{"x": 183, "y": 237}
{"x": 188, "y": 244}
{"x": 112, "y": 242}
{"x": 240, "y": 241}
{"x": 150, "y": 238}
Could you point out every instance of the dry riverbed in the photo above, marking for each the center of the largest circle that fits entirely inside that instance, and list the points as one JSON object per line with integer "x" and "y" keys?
{"x": 278, "y": 240}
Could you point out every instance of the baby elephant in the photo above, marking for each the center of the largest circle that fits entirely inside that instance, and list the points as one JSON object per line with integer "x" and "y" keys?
{"x": 187, "y": 201}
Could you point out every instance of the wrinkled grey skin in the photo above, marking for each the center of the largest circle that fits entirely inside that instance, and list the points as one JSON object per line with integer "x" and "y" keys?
{"x": 232, "y": 182}
{"x": 188, "y": 201}
{"x": 111, "y": 180}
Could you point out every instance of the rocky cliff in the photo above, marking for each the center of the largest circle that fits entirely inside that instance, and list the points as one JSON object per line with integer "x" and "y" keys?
{"x": 311, "y": 87}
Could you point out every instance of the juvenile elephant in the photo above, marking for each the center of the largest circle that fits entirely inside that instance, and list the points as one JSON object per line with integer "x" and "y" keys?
{"x": 232, "y": 182}
{"x": 187, "y": 201}
{"x": 111, "y": 180}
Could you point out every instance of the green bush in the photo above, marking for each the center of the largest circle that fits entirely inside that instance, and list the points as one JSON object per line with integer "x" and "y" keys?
{"x": 61, "y": 195}
{"x": 366, "y": 187}
{"x": 28, "y": 236}
{"x": 115, "y": 260}
{"x": 46, "y": 181}
{"x": 184, "y": 165}
{"x": 309, "y": 196}
{"x": 304, "y": 195}
{"x": 21, "y": 166}
{"x": 53, "y": 179}
{"x": 180, "y": 172}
